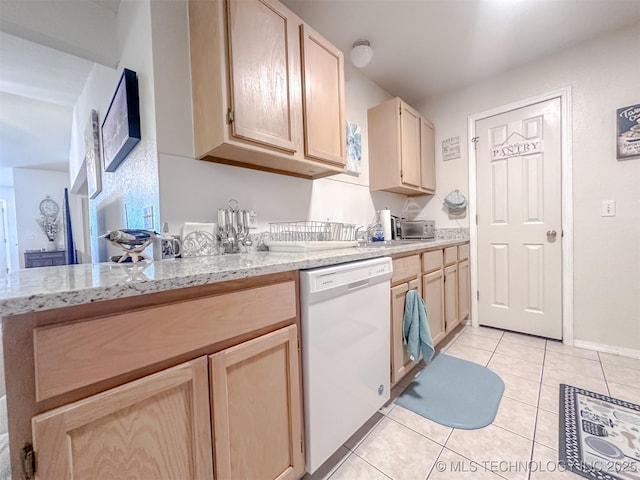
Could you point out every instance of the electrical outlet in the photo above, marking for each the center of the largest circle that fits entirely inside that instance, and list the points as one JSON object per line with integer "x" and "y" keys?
{"x": 253, "y": 219}
{"x": 608, "y": 208}
{"x": 147, "y": 215}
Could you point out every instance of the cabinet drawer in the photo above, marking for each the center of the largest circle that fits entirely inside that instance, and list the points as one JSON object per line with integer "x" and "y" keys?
{"x": 432, "y": 261}
{"x": 405, "y": 268}
{"x": 463, "y": 252}
{"x": 450, "y": 255}
{"x": 75, "y": 355}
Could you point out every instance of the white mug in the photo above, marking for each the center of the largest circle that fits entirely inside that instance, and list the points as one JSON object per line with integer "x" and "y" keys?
{"x": 166, "y": 248}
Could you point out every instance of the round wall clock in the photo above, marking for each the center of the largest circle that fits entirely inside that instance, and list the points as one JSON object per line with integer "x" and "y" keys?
{"x": 49, "y": 208}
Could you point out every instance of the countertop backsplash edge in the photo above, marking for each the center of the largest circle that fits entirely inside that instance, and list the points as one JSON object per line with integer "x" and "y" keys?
{"x": 39, "y": 289}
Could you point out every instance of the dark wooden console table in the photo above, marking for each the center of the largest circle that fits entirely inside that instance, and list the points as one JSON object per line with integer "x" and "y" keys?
{"x": 45, "y": 259}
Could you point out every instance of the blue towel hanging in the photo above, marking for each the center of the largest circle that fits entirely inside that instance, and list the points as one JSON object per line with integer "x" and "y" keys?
{"x": 415, "y": 328}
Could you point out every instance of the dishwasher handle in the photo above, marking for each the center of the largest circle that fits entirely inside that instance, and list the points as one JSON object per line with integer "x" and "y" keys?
{"x": 358, "y": 284}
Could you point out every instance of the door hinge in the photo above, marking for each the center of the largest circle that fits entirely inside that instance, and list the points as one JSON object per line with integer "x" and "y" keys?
{"x": 476, "y": 218}
{"x": 475, "y": 141}
{"x": 28, "y": 458}
{"x": 230, "y": 116}
{"x": 478, "y": 295}
{"x": 301, "y": 445}
{"x": 299, "y": 349}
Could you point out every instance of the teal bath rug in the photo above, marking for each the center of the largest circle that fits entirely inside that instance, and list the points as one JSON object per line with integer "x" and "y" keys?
{"x": 455, "y": 393}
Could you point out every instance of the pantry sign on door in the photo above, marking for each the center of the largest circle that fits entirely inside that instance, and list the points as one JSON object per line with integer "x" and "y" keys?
{"x": 525, "y": 147}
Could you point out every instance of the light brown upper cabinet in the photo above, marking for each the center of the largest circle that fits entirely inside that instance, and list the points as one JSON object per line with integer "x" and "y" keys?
{"x": 427, "y": 156}
{"x": 268, "y": 91}
{"x": 323, "y": 98}
{"x": 401, "y": 149}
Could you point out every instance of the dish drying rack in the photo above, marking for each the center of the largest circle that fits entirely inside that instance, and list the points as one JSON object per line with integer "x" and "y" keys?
{"x": 306, "y": 236}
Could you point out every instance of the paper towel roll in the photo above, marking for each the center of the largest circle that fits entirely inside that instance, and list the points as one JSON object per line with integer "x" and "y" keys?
{"x": 385, "y": 220}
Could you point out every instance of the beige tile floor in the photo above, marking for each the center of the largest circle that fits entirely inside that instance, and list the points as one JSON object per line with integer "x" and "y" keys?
{"x": 401, "y": 445}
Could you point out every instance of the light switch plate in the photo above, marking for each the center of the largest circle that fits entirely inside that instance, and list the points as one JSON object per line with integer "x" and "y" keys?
{"x": 608, "y": 208}
{"x": 253, "y": 219}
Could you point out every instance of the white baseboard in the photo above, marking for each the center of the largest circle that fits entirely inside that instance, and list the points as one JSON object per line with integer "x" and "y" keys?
{"x": 599, "y": 347}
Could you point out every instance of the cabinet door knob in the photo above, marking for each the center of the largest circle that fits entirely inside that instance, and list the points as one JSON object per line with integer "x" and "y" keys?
{"x": 551, "y": 235}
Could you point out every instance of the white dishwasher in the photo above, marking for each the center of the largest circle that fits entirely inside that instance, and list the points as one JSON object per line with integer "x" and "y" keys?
{"x": 345, "y": 351}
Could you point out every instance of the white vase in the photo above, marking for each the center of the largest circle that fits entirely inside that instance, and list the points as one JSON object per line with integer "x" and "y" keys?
{"x": 51, "y": 246}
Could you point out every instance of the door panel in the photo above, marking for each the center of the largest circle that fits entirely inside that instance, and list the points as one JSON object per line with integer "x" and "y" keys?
{"x": 258, "y": 439}
{"x": 519, "y": 200}
{"x": 263, "y": 52}
{"x": 534, "y": 278}
{"x": 464, "y": 288}
{"x": 155, "y": 427}
{"x": 323, "y": 98}
{"x": 433, "y": 294}
{"x": 451, "y": 296}
{"x": 500, "y": 275}
{"x": 410, "y": 127}
{"x": 428, "y": 151}
{"x": 401, "y": 364}
{"x": 500, "y": 184}
{"x": 533, "y": 189}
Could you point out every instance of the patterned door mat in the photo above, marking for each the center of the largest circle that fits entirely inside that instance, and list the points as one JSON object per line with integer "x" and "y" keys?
{"x": 599, "y": 435}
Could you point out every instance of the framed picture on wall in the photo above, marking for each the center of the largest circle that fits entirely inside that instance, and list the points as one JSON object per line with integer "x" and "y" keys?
{"x": 92, "y": 155}
{"x": 354, "y": 148}
{"x": 628, "y": 139}
{"x": 121, "y": 125}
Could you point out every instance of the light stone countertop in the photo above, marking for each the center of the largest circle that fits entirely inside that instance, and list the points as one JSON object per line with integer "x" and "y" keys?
{"x": 37, "y": 289}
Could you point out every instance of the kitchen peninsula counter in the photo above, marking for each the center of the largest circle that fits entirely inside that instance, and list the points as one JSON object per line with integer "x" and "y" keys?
{"x": 39, "y": 289}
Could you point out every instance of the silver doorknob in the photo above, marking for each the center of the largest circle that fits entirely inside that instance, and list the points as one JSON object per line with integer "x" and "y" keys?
{"x": 551, "y": 235}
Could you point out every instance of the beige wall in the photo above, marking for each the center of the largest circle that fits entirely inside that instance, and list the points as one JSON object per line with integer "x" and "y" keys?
{"x": 31, "y": 186}
{"x": 604, "y": 75}
{"x": 134, "y": 185}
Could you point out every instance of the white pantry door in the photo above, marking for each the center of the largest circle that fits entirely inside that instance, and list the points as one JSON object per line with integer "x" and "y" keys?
{"x": 519, "y": 220}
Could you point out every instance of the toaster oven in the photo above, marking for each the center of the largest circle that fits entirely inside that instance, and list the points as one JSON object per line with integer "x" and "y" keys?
{"x": 422, "y": 229}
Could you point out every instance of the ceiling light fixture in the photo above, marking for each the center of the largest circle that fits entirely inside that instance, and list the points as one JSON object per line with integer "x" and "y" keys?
{"x": 361, "y": 54}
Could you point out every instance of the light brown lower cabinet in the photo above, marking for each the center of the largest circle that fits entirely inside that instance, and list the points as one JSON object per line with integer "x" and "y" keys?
{"x": 401, "y": 364}
{"x": 464, "y": 290}
{"x": 433, "y": 294}
{"x": 160, "y": 426}
{"x": 155, "y": 427}
{"x": 443, "y": 281}
{"x": 256, "y": 402}
{"x": 451, "y": 297}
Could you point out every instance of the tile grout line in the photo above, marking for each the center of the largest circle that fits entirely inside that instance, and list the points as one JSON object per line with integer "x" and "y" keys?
{"x": 340, "y": 464}
{"x": 604, "y": 375}
{"x": 368, "y": 463}
{"x": 466, "y": 458}
{"x": 422, "y": 434}
{"x": 435, "y": 462}
{"x": 494, "y": 352}
{"x": 535, "y": 424}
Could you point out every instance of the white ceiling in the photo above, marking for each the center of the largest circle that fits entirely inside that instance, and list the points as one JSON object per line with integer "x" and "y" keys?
{"x": 38, "y": 89}
{"x": 40, "y": 85}
{"x": 428, "y": 47}
{"x": 421, "y": 48}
